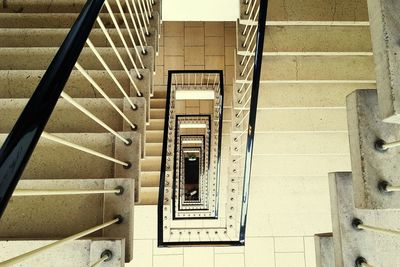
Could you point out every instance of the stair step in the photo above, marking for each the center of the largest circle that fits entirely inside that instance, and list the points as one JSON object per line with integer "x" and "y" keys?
{"x": 51, "y": 20}
{"x": 384, "y": 33}
{"x": 154, "y": 136}
{"x": 48, "y": 37}
{"x": 327, "y": 68}
{"x": 89, "y": 251}
{"x": 51, "y": 160}
{"x": 151, "y": 164}
{"x": 65, "y": 117}
{"x": 298, "y": 120}
{"x": 156, "y": 113}
{"x": 310, "y": 10}
{"x": 22, "y": 83}
{"x": 153, "y": 149}
{"x": 273, "y": 96}
{"x": 369, "y": 165}
{"x": 44, "y": 216}
{"x": 312, "y": 39}
{"x": 156, "y": 124}
{"x": 38, "y": 58}
{"x": 324, "y": 250}
{"x": 149, "y": 196}
{"x": 158, "y": 103}
{"x": 350, "y": 243}
{"x": 150, "y": 179}
{"x": 48, "y": 6}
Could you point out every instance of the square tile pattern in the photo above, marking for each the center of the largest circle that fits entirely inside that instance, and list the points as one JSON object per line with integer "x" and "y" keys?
{"x": 196, "y": 46}
{"x": 210, "y": 45}
{"x": 259, "y": 251}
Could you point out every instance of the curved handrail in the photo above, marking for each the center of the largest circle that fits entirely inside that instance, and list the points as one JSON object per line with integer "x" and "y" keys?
{"x": 21, "y": 142}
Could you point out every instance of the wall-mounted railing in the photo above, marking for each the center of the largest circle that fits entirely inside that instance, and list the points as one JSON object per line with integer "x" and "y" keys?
{"x": 29, "y": 128}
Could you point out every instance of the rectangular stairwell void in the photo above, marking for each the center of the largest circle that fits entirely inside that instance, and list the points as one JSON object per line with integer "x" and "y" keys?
{"x": 195, "y": 201}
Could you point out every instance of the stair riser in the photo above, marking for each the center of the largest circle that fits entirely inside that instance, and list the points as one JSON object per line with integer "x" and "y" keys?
{"x": 289, "y": 68}
{"x": 63, "y": 20}
{"x": 51, "y": 160}
{"x": 21, "y": 84}
{"x": 300, "y": 95}
{"x": 311, "y": 39}
{"x": 40, "y": 58}
{"x": 310, "y": 10}
{"x": 81, "y": 252}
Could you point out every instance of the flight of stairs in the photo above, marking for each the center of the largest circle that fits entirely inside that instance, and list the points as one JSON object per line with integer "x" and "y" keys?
{"x": 364, "y": 210}
{"x": 30, "y": 34}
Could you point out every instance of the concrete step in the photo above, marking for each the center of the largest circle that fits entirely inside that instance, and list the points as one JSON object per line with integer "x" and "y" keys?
{"x": 310, "y": 10}
{"x": 58, "y": 20}
{"x": 158, "y": 103}
{"x": 339, "y": 39}
{"x": 156, "y": 125}
{"x": 154, "y": 136}
{"x": 311, "y": 95}
{"x": 47, "y": 37}
{"x": 90, "y": 251}
{"x": 51, "y": 160}
{"x": 68, "y": 119}
{"x": 324, "y": 250}
{"x": 350, "y": 243}
{"x": 149, "y": 196}
{"x": 151, "y": 163}
{"x": 22, "y": 83}
{"x": 38, "y": 58}
{"x": 150, "y": 179}
{"x": 297, "y": 120}
{"x": 45, "y": 216}
{"x": 300, "y": 165}
{"x": 157, "y": 113}
{"x": 384, "y": 32}
{"x": 48, "y": 6}
{"x": 314, "y": 68}
{"x": 371, "y": 166}
{"x": 300, "y": 143}
{"x": 153, "y": 149}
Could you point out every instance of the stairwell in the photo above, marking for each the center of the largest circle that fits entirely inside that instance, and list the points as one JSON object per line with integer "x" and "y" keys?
{"x": 30, "y": 35}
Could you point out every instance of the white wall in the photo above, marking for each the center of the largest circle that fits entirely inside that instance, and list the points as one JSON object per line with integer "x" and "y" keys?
{"x": 200, "y": 10}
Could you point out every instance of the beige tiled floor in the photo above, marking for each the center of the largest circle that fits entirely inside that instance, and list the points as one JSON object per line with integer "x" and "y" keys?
{"x": 265, "y": 251}
{"x": 196, "y": 45}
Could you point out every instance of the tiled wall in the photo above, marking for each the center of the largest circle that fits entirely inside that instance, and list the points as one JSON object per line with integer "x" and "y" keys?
{"x": 261, "y": 251}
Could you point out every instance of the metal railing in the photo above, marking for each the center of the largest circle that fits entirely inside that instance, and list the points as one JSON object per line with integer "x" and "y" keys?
{"x": 245, "y": 106}
{"x": 29, "y": 128}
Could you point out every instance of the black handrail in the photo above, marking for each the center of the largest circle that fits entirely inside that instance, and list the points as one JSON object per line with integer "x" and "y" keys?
{"x": 22, "y": 140}
{"x": 252, "y": 115}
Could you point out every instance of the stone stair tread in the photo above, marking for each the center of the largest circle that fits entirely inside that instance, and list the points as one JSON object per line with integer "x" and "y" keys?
{"x": 350, "y": 243}
{"x": 51, "y": 160}
{"x": 309, "y": 68}
{"x": 149, "y": 196}
{"x": 89, "y": 250}
{"x": 309, "y": 10}
{"x": 44, "y": 216}
{"x": 66, "y": 118}
{"x": 22, "y": 83}
{"x": 291, "y": 38}
{"x": 38, "y": 58}
{"x": 150, "y": 179}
